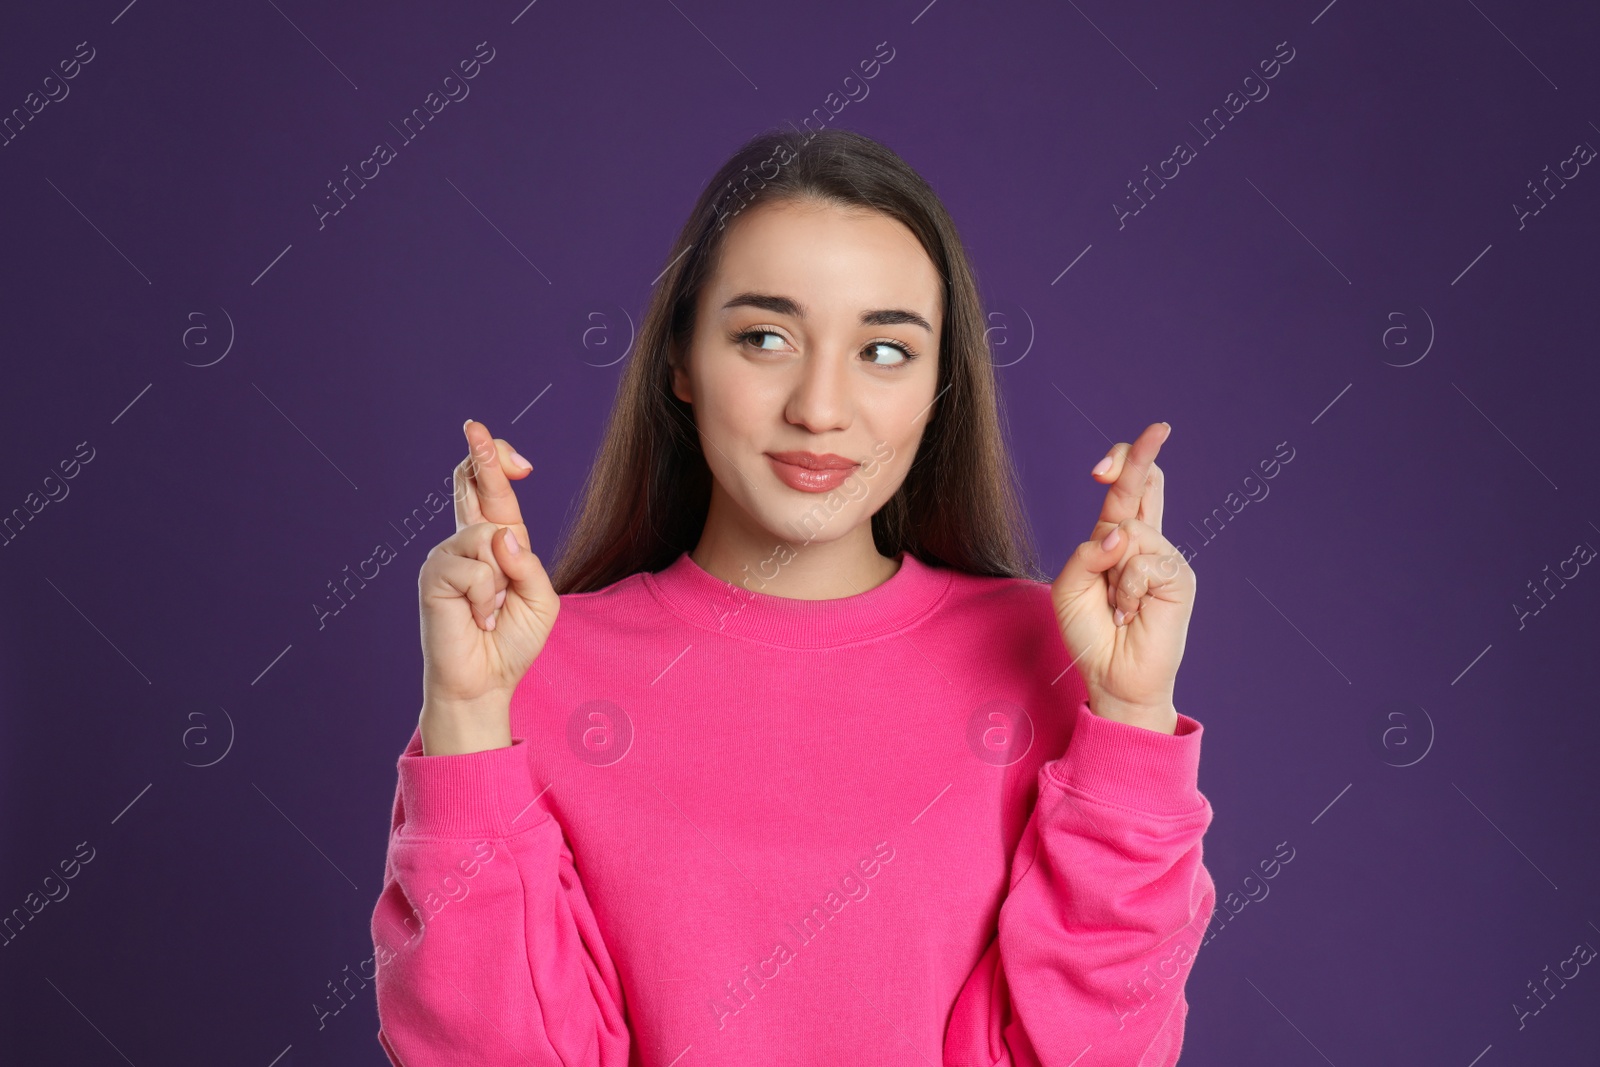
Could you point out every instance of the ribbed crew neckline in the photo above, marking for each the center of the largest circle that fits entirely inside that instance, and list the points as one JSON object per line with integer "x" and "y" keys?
{"x": 710, "y": 603}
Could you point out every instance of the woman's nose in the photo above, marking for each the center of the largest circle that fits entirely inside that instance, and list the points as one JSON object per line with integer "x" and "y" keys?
{"x": 820, "y": 400}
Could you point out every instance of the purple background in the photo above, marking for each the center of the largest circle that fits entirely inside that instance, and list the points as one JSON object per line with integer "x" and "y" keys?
{"x": 1268, "y": 294}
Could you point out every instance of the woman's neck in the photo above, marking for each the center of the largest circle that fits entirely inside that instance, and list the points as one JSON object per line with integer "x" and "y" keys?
{"x": 793, "y": 568}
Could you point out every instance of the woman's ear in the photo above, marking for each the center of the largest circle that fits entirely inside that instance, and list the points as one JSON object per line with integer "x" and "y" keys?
{"x": 680, "y": 383}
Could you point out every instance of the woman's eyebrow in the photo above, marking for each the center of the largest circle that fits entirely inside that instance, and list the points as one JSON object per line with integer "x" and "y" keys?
{"x": 782, "y": 305}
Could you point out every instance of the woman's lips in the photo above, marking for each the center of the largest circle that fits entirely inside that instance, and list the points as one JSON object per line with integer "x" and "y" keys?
{"x": 807, "y": 480}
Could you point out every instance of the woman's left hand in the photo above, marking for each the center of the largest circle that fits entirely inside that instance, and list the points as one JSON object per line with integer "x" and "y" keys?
{"x": 1124, "y": 609}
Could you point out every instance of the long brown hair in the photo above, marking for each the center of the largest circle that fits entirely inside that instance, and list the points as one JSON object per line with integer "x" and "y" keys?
{"x": 647, "y": 495}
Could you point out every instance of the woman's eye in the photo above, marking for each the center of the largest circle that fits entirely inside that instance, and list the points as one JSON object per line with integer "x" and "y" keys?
{"x": 755, "y": 337}
{"x": 897, "y": 354}
{"x": 902, "y": 355}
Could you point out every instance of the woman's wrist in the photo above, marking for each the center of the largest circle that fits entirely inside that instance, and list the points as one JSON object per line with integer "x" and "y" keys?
{"x": 452, "y": 728}
{"x": 1160, "y": 718}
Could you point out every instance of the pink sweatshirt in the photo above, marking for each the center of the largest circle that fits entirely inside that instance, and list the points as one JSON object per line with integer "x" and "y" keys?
{"x": 736, "y": 828}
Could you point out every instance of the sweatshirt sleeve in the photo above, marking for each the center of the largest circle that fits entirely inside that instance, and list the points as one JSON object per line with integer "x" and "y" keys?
{"x": 487, "y": 950}
{"x": 1106, "y": 908}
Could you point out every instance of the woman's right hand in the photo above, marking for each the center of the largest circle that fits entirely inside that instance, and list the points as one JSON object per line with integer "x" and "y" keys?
{"x": 487, "y": 605}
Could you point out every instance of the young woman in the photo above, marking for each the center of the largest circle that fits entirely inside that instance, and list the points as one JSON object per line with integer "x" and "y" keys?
{"x": 812, "y": 768}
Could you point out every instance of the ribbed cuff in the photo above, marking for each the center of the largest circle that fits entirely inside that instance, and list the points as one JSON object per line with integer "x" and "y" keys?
{"x": 1133, "y": 766}
{"x": 469, "y": 794}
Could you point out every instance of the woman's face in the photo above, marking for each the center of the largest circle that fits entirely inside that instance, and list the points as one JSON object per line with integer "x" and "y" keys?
{"x": 818, "y": 333}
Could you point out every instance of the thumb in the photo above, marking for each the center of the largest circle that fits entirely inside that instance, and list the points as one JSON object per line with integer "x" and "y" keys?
{"x": 525, "y": 574}
{"x": 1087, "y": 563}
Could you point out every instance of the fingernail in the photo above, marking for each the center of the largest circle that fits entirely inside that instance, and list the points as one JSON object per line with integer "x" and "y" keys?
{"x": 520, "y": 461}
{"x": 499, "y": 600}
{"x": 490, "y": 624}
{"x": 511, "y": 543}
{"x": 1103, "y": 466}
{"x": 1112, "y": 539}
{"x": 464, "y": 425}
{"x": 1118, "y": 616}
